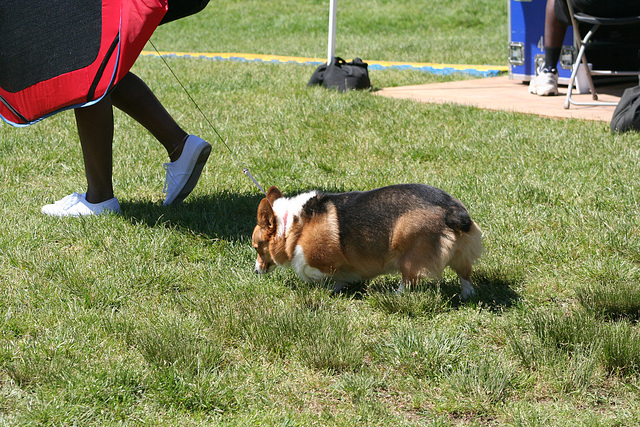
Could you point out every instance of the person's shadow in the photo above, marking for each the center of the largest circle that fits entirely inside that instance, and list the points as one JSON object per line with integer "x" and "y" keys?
{"x": 225, "y": 215}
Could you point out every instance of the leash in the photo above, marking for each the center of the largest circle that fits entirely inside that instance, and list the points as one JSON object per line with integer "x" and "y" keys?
{"x": 245, "y": 169}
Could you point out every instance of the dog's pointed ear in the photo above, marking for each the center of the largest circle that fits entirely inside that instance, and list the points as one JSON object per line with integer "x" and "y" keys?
{"x": 273, "y": 194}
{"x": 266, "y": 217}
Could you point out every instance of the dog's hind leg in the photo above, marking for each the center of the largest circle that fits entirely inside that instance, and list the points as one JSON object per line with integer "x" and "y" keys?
{"x": 462, "y": 266}
{"x": 409, "y": 265}
{"x": 468, "y": 249}
{"x": 465, "y": 283}
{"x": 401, "y": 289}
{"x": 467, "y": 289}
{"x": 409, "y": 276}
{"x": 425, "y": 258}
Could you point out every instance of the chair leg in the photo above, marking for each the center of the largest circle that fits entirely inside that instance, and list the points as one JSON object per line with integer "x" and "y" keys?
{"x": 581, "y": 46}
{"x": 574, "y": 73}
{"x": 585, "y": 64}
{"x": 581, "y": 43}
{"x": 581, "y": 58}
{"x": 592, "y": 87}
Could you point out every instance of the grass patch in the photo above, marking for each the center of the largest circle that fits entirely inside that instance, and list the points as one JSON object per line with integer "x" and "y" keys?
{"x": 155, "y": 316}
{"x": 482, "y": 383}
{"x": 418, "y": 353}
{"x": 414, "y": 303}
{"x": 621, "y": 348}
{"x": 612, "y": 301}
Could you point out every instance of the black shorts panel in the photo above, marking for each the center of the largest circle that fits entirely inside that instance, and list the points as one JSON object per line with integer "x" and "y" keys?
{"x": 181, "y": 8}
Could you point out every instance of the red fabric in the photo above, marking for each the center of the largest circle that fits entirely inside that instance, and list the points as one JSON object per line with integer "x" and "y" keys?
{"x": 135, "y": 20}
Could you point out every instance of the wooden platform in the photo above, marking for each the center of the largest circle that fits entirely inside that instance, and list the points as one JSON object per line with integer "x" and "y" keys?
{"x": 500, "y": 93}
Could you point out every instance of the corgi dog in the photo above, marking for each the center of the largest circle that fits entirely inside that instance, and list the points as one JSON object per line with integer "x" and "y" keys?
{"x": 414, "y": 229}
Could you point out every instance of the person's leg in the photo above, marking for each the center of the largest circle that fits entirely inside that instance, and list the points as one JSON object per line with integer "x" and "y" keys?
{"x": 95, "y": 129}
{"x": 134, "y": 97}
{"x": 187, "y": 153}
{"x": 545, "y": 82}
{"x": 554, "y": 30}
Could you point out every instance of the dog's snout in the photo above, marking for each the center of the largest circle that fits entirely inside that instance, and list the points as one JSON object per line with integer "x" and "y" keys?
{"x": 260, "y": 268}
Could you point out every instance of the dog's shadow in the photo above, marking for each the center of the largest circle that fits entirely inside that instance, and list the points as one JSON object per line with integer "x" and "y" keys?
{"x": 495, "y": 289}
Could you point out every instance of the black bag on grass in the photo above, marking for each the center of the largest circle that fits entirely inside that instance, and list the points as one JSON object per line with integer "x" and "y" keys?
{"x": 342, "y": 75}
{"x": 627, "y": 113}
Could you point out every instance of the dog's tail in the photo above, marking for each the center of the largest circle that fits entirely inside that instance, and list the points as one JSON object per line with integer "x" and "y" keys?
{"x": 458, "y": 218}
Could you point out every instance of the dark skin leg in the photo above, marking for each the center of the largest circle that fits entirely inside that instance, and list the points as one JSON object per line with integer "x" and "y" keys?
{"x": 553, "y": 29}
{"x": 95, "y": 130}
{"x": 135, "y": 98}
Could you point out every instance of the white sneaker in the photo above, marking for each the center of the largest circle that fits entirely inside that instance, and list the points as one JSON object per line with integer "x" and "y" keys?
{"x": 76, "y": 205}
{"x": 183, "y": 174}
{"x": 545, "y": 83}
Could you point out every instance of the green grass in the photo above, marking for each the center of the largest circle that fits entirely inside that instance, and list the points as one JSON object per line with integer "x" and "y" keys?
{"x": 156, "y": 317}
{"x": 440, "y": 31}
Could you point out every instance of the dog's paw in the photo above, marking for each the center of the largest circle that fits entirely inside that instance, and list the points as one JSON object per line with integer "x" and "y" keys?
{"x": 467, "y": 290}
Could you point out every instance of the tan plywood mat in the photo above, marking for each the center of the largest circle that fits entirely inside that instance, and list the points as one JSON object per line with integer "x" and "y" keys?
{"x": 500, "y": 93}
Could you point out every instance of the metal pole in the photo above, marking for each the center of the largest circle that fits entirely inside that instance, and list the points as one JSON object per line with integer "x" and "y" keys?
{"x": 333, "y": 11}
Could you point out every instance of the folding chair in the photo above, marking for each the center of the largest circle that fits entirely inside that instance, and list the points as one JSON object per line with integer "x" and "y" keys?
{"x": 595, "y": 23}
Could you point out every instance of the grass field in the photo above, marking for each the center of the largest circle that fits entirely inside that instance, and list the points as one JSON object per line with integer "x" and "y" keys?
{"x": 155, "y": 317}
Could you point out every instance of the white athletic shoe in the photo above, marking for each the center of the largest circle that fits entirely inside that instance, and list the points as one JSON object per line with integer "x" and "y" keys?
{"x": 545, "y": 83}
{"x": 76, "y": 205}
{"x": 183, "y": 174}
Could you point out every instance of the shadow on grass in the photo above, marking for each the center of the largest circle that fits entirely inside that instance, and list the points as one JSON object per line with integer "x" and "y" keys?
{"x": 223, "y": 215}
{"x": 226, "y": 215}
{"x": 494, "y": 289}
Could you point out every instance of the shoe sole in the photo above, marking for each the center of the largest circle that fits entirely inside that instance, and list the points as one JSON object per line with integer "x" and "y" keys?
{"x": 534, "y": 91}
{"x": 51, "y": 210}
{"x": 194, "y": 177}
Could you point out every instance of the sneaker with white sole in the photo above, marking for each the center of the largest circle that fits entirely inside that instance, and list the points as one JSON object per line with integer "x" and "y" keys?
{"x": 76, "y": 205}
{"x": 545, "y": 83}
{"x": 183, "y": 174}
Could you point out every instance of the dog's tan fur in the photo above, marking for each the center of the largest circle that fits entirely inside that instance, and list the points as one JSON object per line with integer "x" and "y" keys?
{"x": 418, "y": 243}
